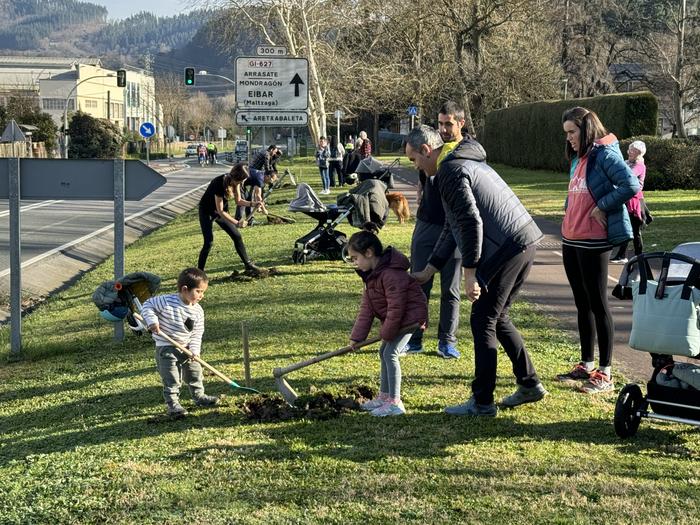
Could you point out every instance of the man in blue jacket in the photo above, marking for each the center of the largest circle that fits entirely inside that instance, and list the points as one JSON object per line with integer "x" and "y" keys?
{"x": 497, "y": 238}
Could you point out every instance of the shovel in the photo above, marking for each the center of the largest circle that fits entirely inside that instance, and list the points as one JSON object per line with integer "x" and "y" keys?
{"x": 201, "y": 361}
{"x": 288, "y": 393}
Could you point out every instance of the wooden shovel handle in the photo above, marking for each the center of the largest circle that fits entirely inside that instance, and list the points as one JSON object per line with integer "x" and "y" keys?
{"x": 278, "y": 372}
{"x": 189, "y": 354}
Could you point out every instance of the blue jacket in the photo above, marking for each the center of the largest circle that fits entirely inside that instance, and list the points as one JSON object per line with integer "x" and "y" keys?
{"x": 611, "y": 184}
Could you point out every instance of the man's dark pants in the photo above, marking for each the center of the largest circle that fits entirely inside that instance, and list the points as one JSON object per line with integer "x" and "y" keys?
{"x": 491, "y": 325}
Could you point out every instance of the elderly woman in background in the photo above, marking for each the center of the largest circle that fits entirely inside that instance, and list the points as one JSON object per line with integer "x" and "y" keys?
{"x": 635, "y": 206}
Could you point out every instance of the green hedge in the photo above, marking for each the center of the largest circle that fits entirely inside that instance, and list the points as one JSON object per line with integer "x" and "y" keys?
{"x": 531, "y": 135}
{"x": 671, "y": 163}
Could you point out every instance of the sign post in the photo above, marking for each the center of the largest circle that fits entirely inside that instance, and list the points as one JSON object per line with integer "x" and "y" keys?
{"x": 84, "y": 179}
{"x": 272, "y": 91}
{"x": 338, "y": 115}
{"x": 147, "y": 130}
{"x": 412, "y": 111}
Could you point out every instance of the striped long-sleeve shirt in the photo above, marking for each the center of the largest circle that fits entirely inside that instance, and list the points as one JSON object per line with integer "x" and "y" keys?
{"x": 183, "y": 323}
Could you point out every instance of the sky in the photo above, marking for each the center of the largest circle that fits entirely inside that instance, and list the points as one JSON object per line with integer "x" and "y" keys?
{"x": 124, "y": 8}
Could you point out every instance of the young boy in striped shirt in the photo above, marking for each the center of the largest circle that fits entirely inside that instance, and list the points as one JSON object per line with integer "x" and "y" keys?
{"x": 180, "y": 316}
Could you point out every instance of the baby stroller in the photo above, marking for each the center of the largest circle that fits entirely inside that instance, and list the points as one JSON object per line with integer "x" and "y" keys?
{"x": 665, "y": 288}
{"x": 324, "y": 241}
{"x": 366, "y": 202}
{"x": 371, "y": 168}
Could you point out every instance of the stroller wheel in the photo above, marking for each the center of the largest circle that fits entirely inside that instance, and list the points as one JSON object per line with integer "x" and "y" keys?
{"x": 629, "y": 402}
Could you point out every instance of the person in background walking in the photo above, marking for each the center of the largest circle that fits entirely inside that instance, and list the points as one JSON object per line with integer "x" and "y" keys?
{"x": 497, "y": 238}
{"x": 365, "y": 145}
{"x": 595, "y": 220}
{"x": 430, "y": 220}
{"x": 322, "y": 157}
{"x": 335, "y": 162}
{"x": 635, "y": 206}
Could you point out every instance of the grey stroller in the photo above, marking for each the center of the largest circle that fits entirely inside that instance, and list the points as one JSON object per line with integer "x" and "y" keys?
{"x": 665, "y": 288}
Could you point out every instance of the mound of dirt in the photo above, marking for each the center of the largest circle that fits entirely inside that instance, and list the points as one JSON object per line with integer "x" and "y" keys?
{"x": 248, "y": 275}
{"x": 317, "y": 405}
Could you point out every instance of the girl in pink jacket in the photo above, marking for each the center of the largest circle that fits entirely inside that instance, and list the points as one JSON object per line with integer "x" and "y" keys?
{"x": 396, "y": 299}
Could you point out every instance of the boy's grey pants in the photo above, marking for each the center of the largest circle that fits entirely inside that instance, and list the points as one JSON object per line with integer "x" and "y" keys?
{"x": 172, "y": 365}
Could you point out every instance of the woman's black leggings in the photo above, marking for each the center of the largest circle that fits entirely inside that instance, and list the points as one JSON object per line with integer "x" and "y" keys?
{"x": 206, "y": 222}
{"x": 587, "y": 271}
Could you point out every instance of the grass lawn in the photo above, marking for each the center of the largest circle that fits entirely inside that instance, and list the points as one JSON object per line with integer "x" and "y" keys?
{"x": 82, "y": 440}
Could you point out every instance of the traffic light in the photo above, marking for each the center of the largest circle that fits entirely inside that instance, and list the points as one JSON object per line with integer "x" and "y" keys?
{"x": 121, "y": 77}
{"x": 189, "y": 76}
{"x": 247, "y": 130}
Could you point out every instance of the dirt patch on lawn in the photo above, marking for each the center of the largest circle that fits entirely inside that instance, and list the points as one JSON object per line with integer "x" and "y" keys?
{"x": 317, "y": 405}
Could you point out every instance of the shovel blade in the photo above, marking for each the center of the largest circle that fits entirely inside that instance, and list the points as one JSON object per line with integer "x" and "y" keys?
{"x": 284, "y": 388}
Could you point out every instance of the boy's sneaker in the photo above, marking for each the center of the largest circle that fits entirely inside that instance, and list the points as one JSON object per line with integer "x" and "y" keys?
{"x": 598, "y": 382}
{"x": 578, "y": 373}
{"x": 524, "y": 395}
{"x": 175, "y": 410}
{"x": 471, "y": 408}
{"x": 206, "y": 401}
{"x": 448, "y": 351}
{"x": 618, "y": 260}
{"x": 389, "y": 409}
{"x": 372, "y": 404}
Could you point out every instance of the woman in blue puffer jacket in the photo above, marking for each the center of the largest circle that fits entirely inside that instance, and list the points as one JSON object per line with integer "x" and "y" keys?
{"x": 595, "y": 220}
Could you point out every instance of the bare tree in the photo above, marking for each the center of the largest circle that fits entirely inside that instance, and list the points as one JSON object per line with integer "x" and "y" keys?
{"x": 305, "y": 27}
{"x": 172, "y": 97}
{"x": 198, "y": 113}
{"x": 668, "y": 47}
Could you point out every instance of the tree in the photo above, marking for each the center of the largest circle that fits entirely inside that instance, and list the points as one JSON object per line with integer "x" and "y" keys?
{"x": 25, "y": 110}
{"x": 306, "y": 27}
{"x": 198, "y": 113}
{"x": 668, "y": 45}
{"x": 93, "y": 138}
{"x": 172, "y": 97}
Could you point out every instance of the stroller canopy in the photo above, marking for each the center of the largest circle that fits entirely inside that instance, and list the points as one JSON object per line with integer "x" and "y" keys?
{"x": 306, "y": 200}
{"x": 370, "y": 165}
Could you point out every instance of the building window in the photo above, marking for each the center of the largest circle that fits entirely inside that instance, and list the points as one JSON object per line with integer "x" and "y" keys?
{"x": 57, "y": 104}
{"x": 91, "y": 104}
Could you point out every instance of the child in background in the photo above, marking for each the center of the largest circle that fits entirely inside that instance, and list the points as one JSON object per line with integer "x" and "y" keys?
{"x": 635, "y": 206}
{"x": 396, "y": 299}
{"x": 181, "y": 317}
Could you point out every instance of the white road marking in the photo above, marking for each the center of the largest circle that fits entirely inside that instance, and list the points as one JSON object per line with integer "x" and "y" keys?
{"x": 31, "y": 207}
{"x": 84, "y": 238}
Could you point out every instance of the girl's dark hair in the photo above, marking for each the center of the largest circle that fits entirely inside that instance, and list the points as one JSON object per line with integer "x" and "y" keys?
{"x": 192, "y": 278}
{"x": 591, "y": 128}
{"x": 366, "y": 239}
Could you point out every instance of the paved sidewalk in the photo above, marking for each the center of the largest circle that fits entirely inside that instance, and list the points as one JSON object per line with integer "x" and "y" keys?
{"x": 548, "y": 288}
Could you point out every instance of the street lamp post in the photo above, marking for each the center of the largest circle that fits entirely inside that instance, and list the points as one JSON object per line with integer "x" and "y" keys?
{"x": 65, "y": 111}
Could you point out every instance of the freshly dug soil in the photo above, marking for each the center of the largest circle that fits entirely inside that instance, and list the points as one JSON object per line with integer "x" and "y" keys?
{"x": 246, "y": 275}
{"x": 317, "y": 405}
